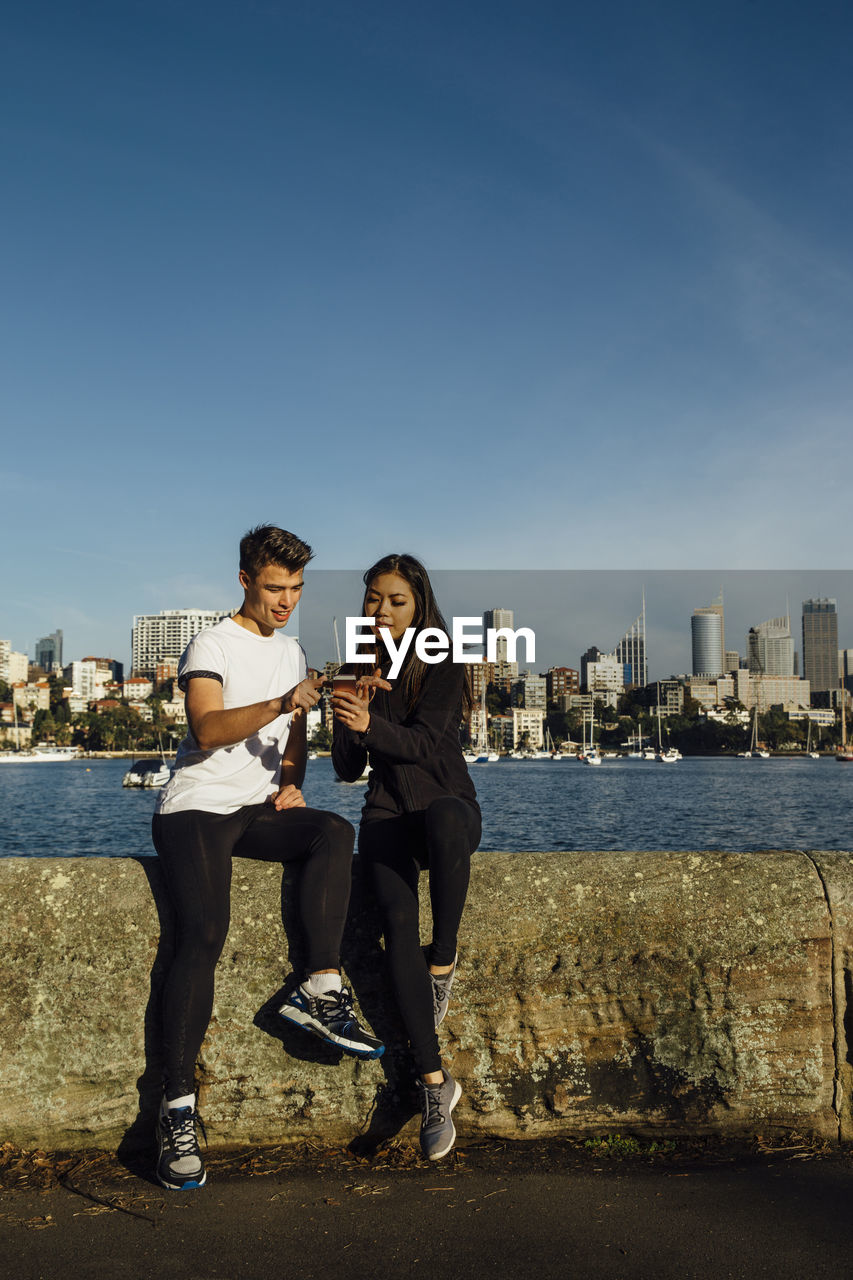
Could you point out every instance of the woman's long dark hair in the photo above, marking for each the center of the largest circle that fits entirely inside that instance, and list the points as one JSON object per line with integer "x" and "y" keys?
{"x": 427, "y": 614}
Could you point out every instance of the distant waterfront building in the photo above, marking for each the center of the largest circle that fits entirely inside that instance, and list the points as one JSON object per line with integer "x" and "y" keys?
{"x": 605, "y": 678}
{"x": 14, "y": 666}
{"x": 497, "y": 618}
{"x": 845, "y": 668}
{"x": 731, "y": 661}
{"x": 706, "y": 629}
{"x": 530, "y": 691}
{"x": 49, "y": 652}
{"x": 631, "y": 651}
{"x": 820, "y": 644}
{"x": 787, "y": 692}
{"x": 593, "y": 654}
{"x": 157, "y": 637}
{"x": 770, "y": 648}
{"x": 666, "y": 694}
{"x": 560, "y": 681}
{"x": 531, "y": 723}
{"x": 90, "y": 677}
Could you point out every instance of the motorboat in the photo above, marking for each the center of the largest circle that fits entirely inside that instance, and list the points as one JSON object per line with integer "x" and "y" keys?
{"x": 148, "y": 774}
{"x": 41, "y": 755}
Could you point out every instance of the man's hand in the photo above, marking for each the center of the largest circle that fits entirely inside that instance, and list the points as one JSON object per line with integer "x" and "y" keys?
{"x": 302, "y": 697}
{"x": 287, "y": 797}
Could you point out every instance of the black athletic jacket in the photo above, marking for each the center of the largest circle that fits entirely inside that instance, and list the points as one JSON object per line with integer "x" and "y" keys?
{"x": 414, "y": 757}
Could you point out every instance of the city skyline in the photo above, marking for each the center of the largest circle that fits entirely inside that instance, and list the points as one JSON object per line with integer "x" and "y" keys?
{"x": 569, "y": 610}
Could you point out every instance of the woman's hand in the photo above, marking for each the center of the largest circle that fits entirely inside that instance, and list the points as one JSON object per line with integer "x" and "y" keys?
{"x": 351, "y": 707}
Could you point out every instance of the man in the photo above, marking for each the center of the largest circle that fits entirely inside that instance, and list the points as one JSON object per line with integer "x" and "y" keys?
{"x": 235, "y": 789}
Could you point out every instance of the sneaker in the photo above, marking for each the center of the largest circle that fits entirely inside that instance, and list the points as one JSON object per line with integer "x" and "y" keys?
{"x": 331, "y": 1017}
{"x": 441, "y": 984}
{"x": 180, "y": 1166}
{"x": 438, "y": 1132}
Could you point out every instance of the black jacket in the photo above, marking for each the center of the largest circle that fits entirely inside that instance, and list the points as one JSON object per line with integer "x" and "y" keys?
{"x": 414, "y": 757}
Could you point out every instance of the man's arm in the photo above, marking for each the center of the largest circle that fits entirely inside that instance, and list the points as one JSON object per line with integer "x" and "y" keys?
{"x": 212, "y": 726}
{"x": 295, "y": 756}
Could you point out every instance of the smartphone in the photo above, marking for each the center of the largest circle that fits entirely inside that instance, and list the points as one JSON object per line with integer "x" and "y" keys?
{"x": 343, "y": 683}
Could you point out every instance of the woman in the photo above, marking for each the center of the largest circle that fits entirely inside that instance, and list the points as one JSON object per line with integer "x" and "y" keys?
{"x": 421, "y": 812}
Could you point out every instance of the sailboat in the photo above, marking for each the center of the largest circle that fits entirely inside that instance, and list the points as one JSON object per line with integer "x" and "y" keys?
{"x": 754, "y": 752}
{"x": 844, "y": 755}
{"x": 672, "y": 754}
{"x": 481, "y": 754}
{"x": 812, "y": 755}
{"x": 589, "y": 754}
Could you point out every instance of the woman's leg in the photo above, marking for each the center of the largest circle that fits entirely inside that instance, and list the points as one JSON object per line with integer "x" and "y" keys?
{"x": 394, "y": 848}
{"x": 452, "y": 833}
{"x": 195, "y": 854}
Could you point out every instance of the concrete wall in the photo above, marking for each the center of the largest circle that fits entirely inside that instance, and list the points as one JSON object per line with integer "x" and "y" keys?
{"x": 652, "y": 993}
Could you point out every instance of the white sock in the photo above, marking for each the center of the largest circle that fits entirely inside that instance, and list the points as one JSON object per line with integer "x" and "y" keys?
{"x": 187, "y": 1101}
{"x": 320, "y": 984}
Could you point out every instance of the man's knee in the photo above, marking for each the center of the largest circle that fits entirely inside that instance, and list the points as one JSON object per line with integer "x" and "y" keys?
{"x": 339, "y": 832}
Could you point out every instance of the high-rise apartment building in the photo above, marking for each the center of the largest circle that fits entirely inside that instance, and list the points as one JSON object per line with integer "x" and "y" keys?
{"x": 497, "y": 618}
{"x": 820, "y": 644}
{"x": 770, "y": 648}
{"x": 504, "y": 670}
{"x": 157, "y": 637}
{"x": 49, "y": 652}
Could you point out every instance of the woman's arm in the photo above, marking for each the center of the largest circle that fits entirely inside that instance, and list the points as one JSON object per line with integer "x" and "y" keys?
{"x": 348, "y": 755}
{"x": 437, "y": 706}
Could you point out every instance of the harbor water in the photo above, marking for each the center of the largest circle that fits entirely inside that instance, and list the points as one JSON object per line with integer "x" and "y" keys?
{"x": 79, "y": 808}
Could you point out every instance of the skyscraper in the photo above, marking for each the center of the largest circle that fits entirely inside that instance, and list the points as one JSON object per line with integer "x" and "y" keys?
{"x": 708, "y": 640}
{"x": 495, "y": 619}
{"x": 631, "y": 651}
{"x": 820, "y": 644}
{"x": 770, "y": 648}
{"x": 49, "y": 652}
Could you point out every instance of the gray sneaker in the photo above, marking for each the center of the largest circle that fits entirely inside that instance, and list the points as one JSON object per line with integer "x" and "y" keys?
{"x": 438, "y": 1132}
{"x": 441, "y": 984}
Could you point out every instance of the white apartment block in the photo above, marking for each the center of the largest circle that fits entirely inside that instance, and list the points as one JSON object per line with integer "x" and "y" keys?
{"x": 90, "y": 677}
{"x": 14, "y": 666}
{"x": 157, "y": 637}
{"x": 137, "y": 689}
{"x": 531, "y": 722}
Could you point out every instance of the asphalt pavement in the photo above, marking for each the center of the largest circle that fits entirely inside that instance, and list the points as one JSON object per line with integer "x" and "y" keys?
{"x": 507, "y": 1210}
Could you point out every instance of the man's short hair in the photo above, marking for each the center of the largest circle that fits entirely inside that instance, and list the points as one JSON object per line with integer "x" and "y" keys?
{"x": 267, "y": 544}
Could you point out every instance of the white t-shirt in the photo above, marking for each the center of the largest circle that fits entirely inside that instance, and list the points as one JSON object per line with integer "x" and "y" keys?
{"x": 252, "y": 668}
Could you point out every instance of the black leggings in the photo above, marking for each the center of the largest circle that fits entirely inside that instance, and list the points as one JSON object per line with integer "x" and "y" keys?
{"x": 195, "y": 850}
{"x": 442, "y": 838}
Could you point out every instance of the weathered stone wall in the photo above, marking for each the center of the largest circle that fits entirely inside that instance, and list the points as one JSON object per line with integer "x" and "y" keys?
{"x": 656, "y": 993}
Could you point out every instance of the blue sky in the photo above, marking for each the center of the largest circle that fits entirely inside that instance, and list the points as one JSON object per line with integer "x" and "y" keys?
{"x": 511, "y": 287}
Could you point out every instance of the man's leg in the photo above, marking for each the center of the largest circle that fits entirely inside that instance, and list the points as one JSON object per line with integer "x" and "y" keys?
{"x": 323, "y": 843}
{"x": 195, "y": 853}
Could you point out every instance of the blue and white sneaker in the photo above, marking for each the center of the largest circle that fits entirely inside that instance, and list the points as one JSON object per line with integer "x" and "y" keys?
{"x": 438, "y": 1132}
{"x": 331, "y": 1017}
{"x": 179, "y": 1166}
